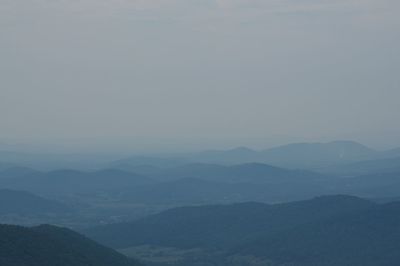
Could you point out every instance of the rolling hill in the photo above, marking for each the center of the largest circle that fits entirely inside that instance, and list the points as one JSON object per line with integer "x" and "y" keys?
{"x": 330, "y": 230}
{"x": 187, "y": 191}
{"x": 25, "y": 203}
{"x": 72, "y": 181}
{"x": 369, "y": 238}
{"x": 387, "y": 165}
{"x": 373, "y": 186}
{"x": 53, "y": 246}
{"x": 249, "y": 173}
{"x": 222, "y": 225}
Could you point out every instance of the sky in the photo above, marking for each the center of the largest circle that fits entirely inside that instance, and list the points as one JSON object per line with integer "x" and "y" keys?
{"x": 196, "y": 74}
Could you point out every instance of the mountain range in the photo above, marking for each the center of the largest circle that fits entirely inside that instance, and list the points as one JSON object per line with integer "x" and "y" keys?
{"x": 295, "y": 156}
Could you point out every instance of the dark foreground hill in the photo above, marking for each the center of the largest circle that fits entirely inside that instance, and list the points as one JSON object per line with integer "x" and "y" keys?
{"x": 367, "y": 238}
{"x": 329, "y": 230}
{"x": 52, "y": 246}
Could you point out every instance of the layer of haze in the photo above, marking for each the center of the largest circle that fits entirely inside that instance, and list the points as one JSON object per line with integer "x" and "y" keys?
{"x": 200, "y": 72}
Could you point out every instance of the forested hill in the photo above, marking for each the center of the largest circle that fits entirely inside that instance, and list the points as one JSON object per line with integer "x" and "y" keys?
{"x": 367, "y": 238}
{"x": 325, "y": 231}
{"x": 53, "y": 246}
{"x": 222, "y": 226}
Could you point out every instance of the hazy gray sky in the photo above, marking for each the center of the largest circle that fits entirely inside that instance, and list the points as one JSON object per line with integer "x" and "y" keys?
{"x": 199, "y": 70}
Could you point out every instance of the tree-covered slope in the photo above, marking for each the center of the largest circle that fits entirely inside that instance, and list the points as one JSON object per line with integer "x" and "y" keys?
{"x": 53, "y": 246}
{"x": 325, "y": 231}
{"x": 370, "y": 237}
{"x": 222, "y": 226}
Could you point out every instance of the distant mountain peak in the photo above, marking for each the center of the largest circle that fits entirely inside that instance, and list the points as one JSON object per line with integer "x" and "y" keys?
{"x": 241, "y": 149}
{"x": 349, "y": 143}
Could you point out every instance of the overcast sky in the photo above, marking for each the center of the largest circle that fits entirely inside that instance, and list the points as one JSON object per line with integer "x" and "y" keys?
{"x": 200, "y": 72}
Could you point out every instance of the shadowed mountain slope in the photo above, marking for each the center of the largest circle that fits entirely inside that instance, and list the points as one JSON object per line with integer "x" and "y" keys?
{"x": 222, "y": 225}
{"x": 52, "y": 246}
